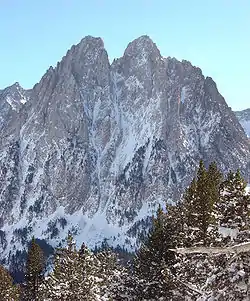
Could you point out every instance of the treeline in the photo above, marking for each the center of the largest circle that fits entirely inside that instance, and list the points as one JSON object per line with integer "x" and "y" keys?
{"x": 213, "y": 214}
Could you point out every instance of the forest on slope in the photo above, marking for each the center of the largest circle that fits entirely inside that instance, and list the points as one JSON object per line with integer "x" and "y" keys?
{"x": 198, "y": 249}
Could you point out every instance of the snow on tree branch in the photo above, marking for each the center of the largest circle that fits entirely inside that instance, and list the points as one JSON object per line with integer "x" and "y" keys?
{"x": 240, "y": 248}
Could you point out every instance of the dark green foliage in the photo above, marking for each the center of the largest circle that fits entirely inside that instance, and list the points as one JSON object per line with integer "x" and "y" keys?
{"x": 123, "y": 255}
{"x": 203, "y": 204}
{"x": 234, "y": 204}
{"x": 34, "y": 272}
{"x": 17, "y": 261}
{"x": 154, "y": 257}
{"x": 216, "y": 213}
{"x": 199, "y": 202}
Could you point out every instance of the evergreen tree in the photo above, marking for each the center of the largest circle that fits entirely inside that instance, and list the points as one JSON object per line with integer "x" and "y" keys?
{"x": 218, "y": 275}
{"x": 200, "y": 228}
{"x": 215, "y": 178}
{"x": 114, "y": 281}
{"x": 34, "y": 272}
{"x": 8, "y": 291}
{"x": 234, "y": 204}
{"x": 72, "y": 277}
{"x": 232, "y": 271}
{"x": 190, "y": 224}
{"x": 199, "y": 206}
{"x": 203, "y": 205}
{"x": 154, "y": 261}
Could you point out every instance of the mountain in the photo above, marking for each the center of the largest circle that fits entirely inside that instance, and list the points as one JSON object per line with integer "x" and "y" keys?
{"x": 94, "y": 147}
{"x": 244, "y": 119}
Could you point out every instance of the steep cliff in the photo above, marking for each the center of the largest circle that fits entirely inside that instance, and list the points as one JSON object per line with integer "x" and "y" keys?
{"x": 94, "y": 147}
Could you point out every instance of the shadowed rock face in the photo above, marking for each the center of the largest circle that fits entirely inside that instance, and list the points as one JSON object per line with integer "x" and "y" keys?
{"x": 99, "y": 146}
{"x": 244, "y": 119}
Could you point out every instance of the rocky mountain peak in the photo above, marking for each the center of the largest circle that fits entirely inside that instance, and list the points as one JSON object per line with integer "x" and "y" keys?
{"x": 16, "y": 85}
{"x": 143, "y": 44}
{"x": 14, "y": 95}
{"x": 95, "y": 42}
{"x": 13, "y": 88}
{"x": 85, "y": 63}
{"x": 99, "y": 147}
{"x": 141, "y": 64}
{"x": 87, "y": 52}
{"x": 88, "y": 45}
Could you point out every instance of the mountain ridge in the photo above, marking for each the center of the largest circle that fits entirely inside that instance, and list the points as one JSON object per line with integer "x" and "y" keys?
{"x": 94, "y": 147}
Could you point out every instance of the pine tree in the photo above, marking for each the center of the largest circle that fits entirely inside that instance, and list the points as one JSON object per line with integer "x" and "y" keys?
{"x": 190, "y": 223}
{"x": 8, "y": 291}
{"x": 219, "y": 275}
{"x": 34, "y": 272}
{"x": 200, "y": 228}
{"x": 234, "y": 204}
{"x": 199, "y": 206}
{"x": 203, "y": 205}
{"x": 214, "y": 184}
{"x": 232, "y": 271}
{"x": 154, "y": 258}
{"x": 215, "y": 178}
{"x": 72, "y": 278}
{"x": 114, "y": 281}
{"x": 87, "y": 266}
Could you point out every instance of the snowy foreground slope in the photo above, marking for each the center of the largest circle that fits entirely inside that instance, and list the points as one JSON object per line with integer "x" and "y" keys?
{"x": 94, "y": 147}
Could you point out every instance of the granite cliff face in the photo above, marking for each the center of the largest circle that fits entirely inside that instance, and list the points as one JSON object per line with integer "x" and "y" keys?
{"x": 244, "y": 119}
{"x": 94, "y": 147}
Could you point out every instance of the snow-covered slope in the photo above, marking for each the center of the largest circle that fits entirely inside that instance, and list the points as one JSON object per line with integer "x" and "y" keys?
{"x": 94, "y": 148}
{"x": 244, "y": 119}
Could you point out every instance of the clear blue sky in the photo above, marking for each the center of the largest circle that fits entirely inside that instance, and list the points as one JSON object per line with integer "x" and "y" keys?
{"x": 214, "y": 35}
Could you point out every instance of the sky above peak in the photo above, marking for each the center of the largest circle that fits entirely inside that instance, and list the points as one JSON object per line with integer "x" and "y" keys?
{"x": 213, "y": 35}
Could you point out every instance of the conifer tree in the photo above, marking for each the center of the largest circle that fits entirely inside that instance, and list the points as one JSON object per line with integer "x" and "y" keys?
{"x": 200, "y": 228}
{"x": 72, "y": 277}
{"x": 215, "y": 178}
{"x": 220, "y": 275}
{"x": 190, "y": 224}
{"x": 232, "y": 271}
{"x": 106, "y": 269}
{"x": 34, "y": 272}
{"x": 114, "y": 281}
{"x": 154, "y": 261}
{"x": 8, "y": 291}
{"x": 202, "y": 204}
{"x": 234, "y": 204}
{"x": 199, "y": 206}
